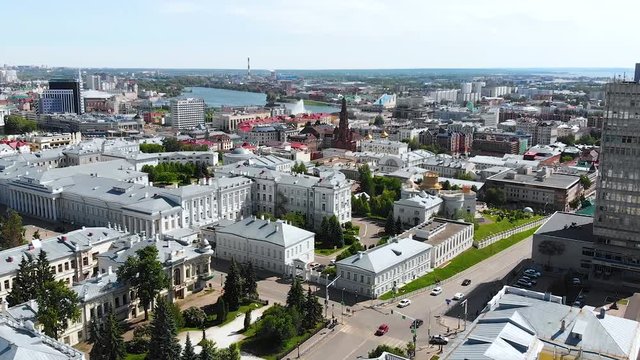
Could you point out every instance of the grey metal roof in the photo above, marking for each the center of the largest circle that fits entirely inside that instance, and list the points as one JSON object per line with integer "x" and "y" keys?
{"x": 568, "y": 226}
{"x": 422, "y": 200}
{"x": 383, "y": 257}
{"x": 98, "y": 286}
{"x": 275, "y": 232}
{"x": 518, "y": 326}
{"x": 23, "y": 342}
{"x": 558, "y": 181}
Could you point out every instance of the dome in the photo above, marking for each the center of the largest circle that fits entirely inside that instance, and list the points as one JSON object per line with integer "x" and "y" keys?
{"x": 528, "y": 210}
{"x": 240, "y": 151}
{"x": 384, "y": 135}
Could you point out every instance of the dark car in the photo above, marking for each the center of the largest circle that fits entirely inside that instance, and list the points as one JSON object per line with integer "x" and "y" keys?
{"x": 417, "y": 323}
{"x": 382, "y": 329}
{"x": 466, "y": 282}
{"x": 438, "y": 340}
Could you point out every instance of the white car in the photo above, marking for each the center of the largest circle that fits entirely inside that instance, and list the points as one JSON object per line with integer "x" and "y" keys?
{"x": 436, "y": 291}
{"x": 458, "y": 296}
{"x": 404, "y": 303}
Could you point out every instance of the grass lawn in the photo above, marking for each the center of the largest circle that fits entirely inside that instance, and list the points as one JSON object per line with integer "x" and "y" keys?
{"x": 328, "y": 252}
{"x": 494, "y": 227}
{"x": 212, "y": 321}
{"x": 135, "y": 356}
{"x": 267, "y": 351}
{"x": 460, "y": 263}
{"x": 314, "y": 102}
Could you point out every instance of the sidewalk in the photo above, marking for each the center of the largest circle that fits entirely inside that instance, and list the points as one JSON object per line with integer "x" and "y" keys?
{"x": 223, "y": 336}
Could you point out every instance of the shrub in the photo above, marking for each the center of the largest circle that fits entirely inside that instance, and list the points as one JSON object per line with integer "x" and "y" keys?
{"x": 194, "y": 317}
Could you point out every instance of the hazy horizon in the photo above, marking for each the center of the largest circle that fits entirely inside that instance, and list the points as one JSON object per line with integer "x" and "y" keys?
{"x": 327, "y": 35}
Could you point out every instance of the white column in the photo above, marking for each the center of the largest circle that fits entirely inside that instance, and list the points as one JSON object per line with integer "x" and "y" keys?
{"x": 53, "y": 206}
{"x": 41, "y": 203}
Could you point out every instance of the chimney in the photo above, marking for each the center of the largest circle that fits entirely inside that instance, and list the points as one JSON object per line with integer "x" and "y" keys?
{"x": 547, "y": 296}
{"x": 360, "y": 254}
{"x": 562, "y": 326}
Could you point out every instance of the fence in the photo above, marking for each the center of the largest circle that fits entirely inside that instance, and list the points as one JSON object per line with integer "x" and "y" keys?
{"x": 505, "y": 234}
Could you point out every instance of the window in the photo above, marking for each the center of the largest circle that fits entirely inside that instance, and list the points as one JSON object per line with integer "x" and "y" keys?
{"x": 7, "y": 286}
{"x": 85, "y": 261}
{"x": 66, "y": 265}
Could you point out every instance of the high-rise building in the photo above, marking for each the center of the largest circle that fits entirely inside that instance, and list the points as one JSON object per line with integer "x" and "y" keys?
{"x": 93, "y": 82}
{"x": 187, "y": 113}
{"x": 617, "y": 216}
{"x": 75, "y": 85}
{"x": 57, "y": 101}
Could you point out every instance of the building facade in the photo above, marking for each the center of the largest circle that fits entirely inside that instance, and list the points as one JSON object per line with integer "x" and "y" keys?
{"x": 187, "y": 113}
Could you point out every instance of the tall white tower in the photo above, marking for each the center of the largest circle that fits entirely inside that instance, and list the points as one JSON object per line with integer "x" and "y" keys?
{"x": 248, "y": 67}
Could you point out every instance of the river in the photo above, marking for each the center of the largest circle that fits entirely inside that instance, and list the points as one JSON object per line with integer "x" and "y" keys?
{"x": 219, "y": 97}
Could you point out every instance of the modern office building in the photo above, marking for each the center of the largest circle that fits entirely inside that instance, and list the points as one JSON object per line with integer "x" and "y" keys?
{"x": 75, "y": 85}
{"x": 57, "y": 102}
{"x": 187, "y": 113}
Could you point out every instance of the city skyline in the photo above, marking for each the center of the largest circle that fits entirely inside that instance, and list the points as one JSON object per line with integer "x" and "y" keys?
{"x": 332, "y": 35}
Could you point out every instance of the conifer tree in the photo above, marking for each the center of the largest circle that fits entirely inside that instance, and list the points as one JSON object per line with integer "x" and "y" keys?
{"x": 295, "y": 297}
{"x": 188, "y": 353}
{"x": 24, "y": 285}
{"x": 233, "y": 287}
{"x": 164, "y": 343}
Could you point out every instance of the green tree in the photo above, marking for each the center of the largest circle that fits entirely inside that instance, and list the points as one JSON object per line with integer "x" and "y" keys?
{"x": 247, "y": 320}
{"x": 188, "y": 353}
{"x": 276, "y": 326}
{"x": 585, "y": 182}
{"x": 378, "y": 121}
{"x": 151, "y": 148}
{"x": 145, "y": 275}
{"x": 295, "y": 218}
{"x": 194, "y": 317}
{"x": 36, "y": 234}
{"x": 233, "y": 287}
{"x": 569, "y": 140}
{"x": 366, "y": 180}
{"x": 312, "y": 310}
{"x": 209, "y": 351}
{"x": 299, "y": 168}
{"x": 335, "y": 235}
{"x": 57, "y": 308}
{"x": 280, "y": 206}
{"x": 11, "y": 230}
{"x": 14, "y": 124}
{"x": 24, "y": 285}
{"x": 107, "y": 340}
{"x": 43, "y": 273}
{"x": 171, "y": 144}
{"x": 413, "y": 143}
{"x": 163, "y": 344}
{"x": 178, "y": 319}
{"x": 324, "y": 230}
{"x": 494, "y": 197}
{"x": 566, "y": 158}
{"x": 465, "y": 176}
{"x": 390, "y": 225}
{"x": 377, "y": 352}
{"x": 249, "y": 281}
{"x": 230, "y": 353}
{"x": 398, "y": 226}
{"x": 222, "y": 309}
{"x": 295, "y": 296}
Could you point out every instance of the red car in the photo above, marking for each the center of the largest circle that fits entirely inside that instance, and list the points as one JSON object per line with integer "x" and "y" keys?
{"x": 382, "y": 329}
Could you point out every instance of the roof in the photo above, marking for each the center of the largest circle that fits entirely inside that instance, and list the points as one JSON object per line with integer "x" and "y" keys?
{"x": 98, "y": 286}
{"x": 512, "y": 328}
{"x": 383, "y": 257}
{"x": 23, "y": 342}
{"x": 568, "y": 226}
{"x": 557, "y": 181}
{"x": 422, "y": 200}
{"x": 275, "y": 232}
{"x": 58, "y": 247}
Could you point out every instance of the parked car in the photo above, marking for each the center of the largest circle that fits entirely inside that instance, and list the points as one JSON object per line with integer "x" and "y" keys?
{"x": 576, "y": 281}
{"x": 332, "y": 262}
{"x": 466, "y": 282}
{"x": 524, "y": 283}
{"x": 404, "y": 303}
{"x": 438, "y": 340}
{"x": 382, "y": 329}
{"x": 577, "y": 304}
{"x": 532, "y": 272}
{"x": 416, "y": 323}
{"x": 529, "y": 279}
{"x": 314, "y": 265}
{"x": 458, "y": 296}
{"x": 436, "y": 291}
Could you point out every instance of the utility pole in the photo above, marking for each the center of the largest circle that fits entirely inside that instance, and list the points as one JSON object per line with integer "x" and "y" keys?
{"x": 326, "y": 299}
{"x": 465, "y": 313}
{"x": 414, "y": 329}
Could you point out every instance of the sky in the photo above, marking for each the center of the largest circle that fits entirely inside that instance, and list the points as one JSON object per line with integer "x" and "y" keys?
{"x": 324, "y": 34}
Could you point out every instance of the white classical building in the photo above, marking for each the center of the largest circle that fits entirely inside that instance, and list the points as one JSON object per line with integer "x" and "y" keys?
{"x": 417, "y": 209}
{"x": 416, "y": 158}
{"x": 384, "y": 268}
{"x": 314, "y": 197}
{"x": 271, "y": 245}
{"x": 449, "y": 238}
{"x": 384, "y": 146}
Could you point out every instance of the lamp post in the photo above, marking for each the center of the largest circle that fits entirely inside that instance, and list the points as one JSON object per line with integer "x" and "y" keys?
{"x": 342, "y": 310}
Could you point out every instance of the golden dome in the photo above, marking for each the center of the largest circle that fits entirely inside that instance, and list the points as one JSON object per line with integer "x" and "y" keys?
{"x": 369, "y": 137}
{"x": 384, "y": 135}
{"x": 430, "y": 181}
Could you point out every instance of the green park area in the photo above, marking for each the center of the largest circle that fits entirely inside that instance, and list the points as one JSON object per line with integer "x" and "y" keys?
{"x": 460, "y": 263}
{"x": 496, "y": 223}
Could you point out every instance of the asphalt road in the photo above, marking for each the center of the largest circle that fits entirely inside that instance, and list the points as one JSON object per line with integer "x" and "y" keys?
{"x": 355, "y": 337}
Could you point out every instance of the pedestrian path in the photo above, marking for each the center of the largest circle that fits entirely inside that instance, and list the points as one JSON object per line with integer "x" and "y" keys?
{"x": 223, "y": 336}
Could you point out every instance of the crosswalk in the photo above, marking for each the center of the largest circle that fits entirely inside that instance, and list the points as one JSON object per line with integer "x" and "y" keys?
{"x": 384, "y": 339}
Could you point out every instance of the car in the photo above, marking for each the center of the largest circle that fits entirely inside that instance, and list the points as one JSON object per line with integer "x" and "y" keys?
{"x": 529, "y": 279}
{"x": 382, "y": 329}
{"x": 466, "y": 282}
{"x": 438, "y": 340}
{"x": 332, "y": 262}
{"x": 436, "y": 291}
{"x": 577, "y": 304}
{"x": 404, "y": 303}
{"x": 524, "y": 283}
{"x": 416, "y": 323}
{"x": 532, "y": 273}
{"x": 576, "y": 281}
{"x": 313, "y": 265}
{"x": 458, "y": 296}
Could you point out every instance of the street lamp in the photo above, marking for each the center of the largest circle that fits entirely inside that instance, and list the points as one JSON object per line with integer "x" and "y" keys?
{"x": 342, "y": 311}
